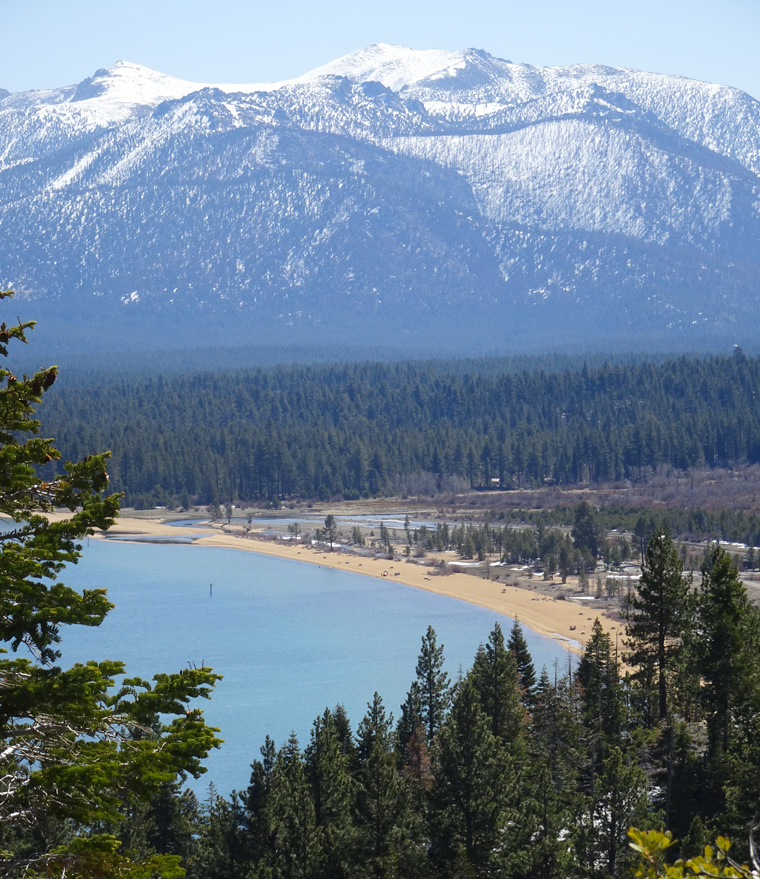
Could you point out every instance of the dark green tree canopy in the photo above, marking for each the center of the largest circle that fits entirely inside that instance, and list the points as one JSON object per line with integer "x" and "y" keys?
{"x": 433, "y": 684}
{"x": 727, "y": 659}
{"x": 494, "y": 676}
{"x": 75, "y": 744}
{"x": 373, "y": 429}
{"x": 588, "y": 535}
{"x": 526, "y": 671}
{"x": 660, "y": 613}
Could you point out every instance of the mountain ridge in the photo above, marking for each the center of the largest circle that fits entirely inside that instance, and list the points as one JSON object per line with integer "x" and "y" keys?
{"x": 443, "y": 192}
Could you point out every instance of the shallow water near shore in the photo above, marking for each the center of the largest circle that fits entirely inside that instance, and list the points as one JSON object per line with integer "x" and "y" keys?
{"x": 290, "y": 638}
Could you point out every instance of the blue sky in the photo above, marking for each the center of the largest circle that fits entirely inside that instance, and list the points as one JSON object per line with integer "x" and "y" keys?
{"x": 47, "y": 43}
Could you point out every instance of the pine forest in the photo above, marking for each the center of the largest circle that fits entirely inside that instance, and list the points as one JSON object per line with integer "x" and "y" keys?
{"x": 641, "y": 757}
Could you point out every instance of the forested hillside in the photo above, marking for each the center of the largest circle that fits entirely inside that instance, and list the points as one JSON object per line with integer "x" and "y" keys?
{"x": 367, "y": 430}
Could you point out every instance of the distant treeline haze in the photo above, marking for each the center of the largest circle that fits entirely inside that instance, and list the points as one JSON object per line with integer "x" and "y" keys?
{"x": 366, "y": 430}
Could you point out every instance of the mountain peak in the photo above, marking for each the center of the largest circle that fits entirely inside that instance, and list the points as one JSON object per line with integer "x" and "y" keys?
{"x": 516, "y": 197}
{"x": 129, "y": 83}
{"x": 394, "y": 66}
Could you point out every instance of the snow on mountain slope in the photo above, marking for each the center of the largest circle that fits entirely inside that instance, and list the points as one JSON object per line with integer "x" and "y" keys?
{"x": 473, "y": 84}
{"x": 450, "y": 185}
{"x": 640, "y": 191}
{"x": 396, "y": 67}
{"x": 127, "y": 83}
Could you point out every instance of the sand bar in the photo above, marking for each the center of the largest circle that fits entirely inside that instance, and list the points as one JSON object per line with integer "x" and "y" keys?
{"x": 567, "y": 621}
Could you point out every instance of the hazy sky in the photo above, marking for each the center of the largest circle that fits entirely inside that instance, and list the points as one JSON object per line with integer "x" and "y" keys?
{"x": 46, "y": 43}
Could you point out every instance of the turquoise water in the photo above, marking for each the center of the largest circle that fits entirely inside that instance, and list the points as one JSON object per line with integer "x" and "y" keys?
{"x": 290, "y": 638}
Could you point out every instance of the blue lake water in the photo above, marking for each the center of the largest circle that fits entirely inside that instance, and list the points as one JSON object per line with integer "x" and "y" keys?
{"x": 290, "y": 638}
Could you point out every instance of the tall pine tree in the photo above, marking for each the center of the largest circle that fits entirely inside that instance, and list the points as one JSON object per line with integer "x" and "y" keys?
{"x": 495, "y": 678}
{"x": 526, "y": 671}
{"x": 389, "y": 829}
{"x": 433, "y": 684}
{"x": 471, "y": 787}
{"x": 659, "y": 613}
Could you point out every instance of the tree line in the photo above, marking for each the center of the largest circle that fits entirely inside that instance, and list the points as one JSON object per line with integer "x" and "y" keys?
{"x": 361, "y": 430}
{"x": 733, "y": 523}
{"x": 588, "y": 536}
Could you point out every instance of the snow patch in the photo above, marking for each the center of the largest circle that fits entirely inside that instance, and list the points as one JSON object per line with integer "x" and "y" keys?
{"x": 394, "y": 66}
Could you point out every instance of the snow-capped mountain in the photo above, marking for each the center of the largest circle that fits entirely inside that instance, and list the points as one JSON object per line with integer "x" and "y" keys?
{"x": 451, "y": 193}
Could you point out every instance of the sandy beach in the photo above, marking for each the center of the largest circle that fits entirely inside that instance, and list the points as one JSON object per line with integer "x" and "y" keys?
{"x": 568, "y": 621}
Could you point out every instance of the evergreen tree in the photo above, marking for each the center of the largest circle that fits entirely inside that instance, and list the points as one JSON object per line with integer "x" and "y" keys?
{"x": 565, "y": 561}
{"x": 412, "y": 752}
{"x": 494, "y": 677}
{"x": 388, "y": 827}
{"x": 588, "y": 535}
{"x": 542, "y": 815}
{"x": 433, "y": 684}
{"x": 166, "y": 824}
{"x": 526, "y": 671}
{"x": 741, "y": 768}
{"x": 725, "y": 662}
{"x": 659, "y": 614}
{"x": 541, "y": 844}
{"x": 471, "y": 786}
{"x": 255, "y": 800}
{"x": 330, "y": 532}
{"x": 220, "y": 849}
{"x": 602, "y": 698}
{"x": 730, "y": 695}
{"x": 345, "y": 735}
{"x": 76, "y": 751}
{"x": 296, "y": 849}
{"x": 410, "y": 720}
{"x": 332, "y": 785}
{"x": 618, "y": 801}
{"x": 642, "y": 531}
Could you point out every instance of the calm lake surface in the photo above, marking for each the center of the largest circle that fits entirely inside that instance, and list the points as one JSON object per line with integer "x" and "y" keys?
{"x": 290, "y": 638}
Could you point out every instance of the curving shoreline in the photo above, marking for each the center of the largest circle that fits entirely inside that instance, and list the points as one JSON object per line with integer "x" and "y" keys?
{"x": 543, "y": 614}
